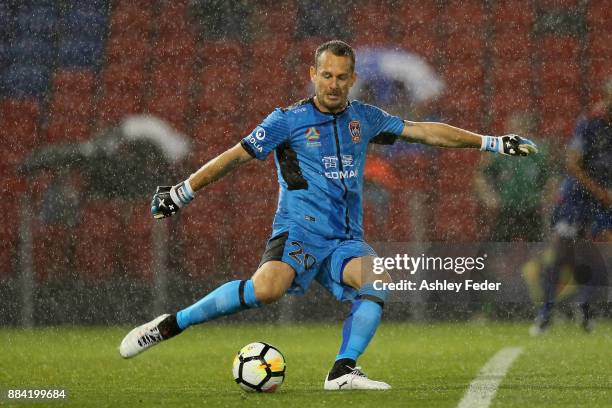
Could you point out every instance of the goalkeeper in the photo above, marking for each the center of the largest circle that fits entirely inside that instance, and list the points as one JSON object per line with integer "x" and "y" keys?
{"x": 319, "y": 146}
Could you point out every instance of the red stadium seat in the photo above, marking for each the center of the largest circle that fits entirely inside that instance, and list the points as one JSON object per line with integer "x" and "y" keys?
{"x": 136, "y": 242}
{"x": 169, "y": 106}
{"x": 460, "y": 14}
{"x": 557, "y": 76}
{"x": 19, "y": 120}
{"x": 202, "y": 232}
{"x": 559, "y": 112}
{"x": 73, "y": 81}
{"x": 9, "y": 232}
{"x": 456, "y": 170}
{"x": 122, "y": 85}
{"x": 599, "y": 15}
{"x": 51, "y": 248}
{"x": 512, "y": 45}
{"x": 516, "y": 16}
{"x": 223, "y": 52}
{"x": 273, "y": 20}
{"x": 421, "y": 39}
{"x": 175, "y": 47}
{"x": 557, "y": 48}
{"x": 512, "y": 76}
{"x": 130, "y": 47}
{"x": 600, "y": 45}
{"x": 128, "y": 16}
{"x": 67, "y": 129}
{"x": 464, "y": 46}
{"x": 455, "y": 218}
{"x": 98, "y": 239}
{"x": 558, "y": 4}
{"x": 372, "y": 24}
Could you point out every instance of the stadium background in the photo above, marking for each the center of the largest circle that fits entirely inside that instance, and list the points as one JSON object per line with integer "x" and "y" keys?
{"x": 70, "y": 69}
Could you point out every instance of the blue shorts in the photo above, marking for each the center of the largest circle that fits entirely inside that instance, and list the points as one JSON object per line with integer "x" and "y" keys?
{"x": 578, "y": 213}
{"x": 316, "y": 258}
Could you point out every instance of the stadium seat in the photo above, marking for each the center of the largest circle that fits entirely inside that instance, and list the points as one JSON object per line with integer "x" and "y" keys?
{"x": 136, "y": 242}
{"x": 372, "y": 25}
{"x": 599, "y": 15}
{"x": 9, "y": 232}
{"x": 25, "y": 80}
{"x": 455, "y": 218}
{"x": 38, "y": 20}
{"x": 600, "y": 45}
{"x": 559, "y": 48}
{"x": 508, "y": 75}
{"x": 202, "y": 232}
{"x": 456, "y": 170}
{"x": 214, "y": 136}
{"x": 177, "y": 47}
{"x": 170, "y": 106}
{"x": 559, "y": 112}
{"x": 130, "y": 47}
{"x": 223, "y": 52}
{"x": 464, "y": 46}
{"x": 461, "y": 14}
{"x": 80, "y": 52}
{"x": 32, "y": 50}
{"x": 19, "y": 120}
{"x": 555, "y": 76}
{"x": 558, "y": 4}
{"x": 83, "y": 20}
{"x": 221, "y": 92}
{"x": 516, "y": 16}
{"x": 512, "y": 45}
{"x": 275, "y": 19}
{"x": 73, "y": 81}
{"x": 51, "y": 251}
{"x": 421, "y": 39}
{"x": 129, "y": 17}
{"x": 62, "y": 129}
{"x": 98, "y": 238}
{"x": 122, "y": 86}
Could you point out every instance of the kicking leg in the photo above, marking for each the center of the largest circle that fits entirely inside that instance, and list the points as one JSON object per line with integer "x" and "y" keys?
{"x": 267, "y": 285}
{"x": 359, "y": 327}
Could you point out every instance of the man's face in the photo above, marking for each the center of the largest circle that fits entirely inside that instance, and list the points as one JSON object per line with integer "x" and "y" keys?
{"x": 333, "y": 78}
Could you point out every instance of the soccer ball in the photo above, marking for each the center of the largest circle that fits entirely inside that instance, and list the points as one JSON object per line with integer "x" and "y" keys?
{"x": 259, "y": 367}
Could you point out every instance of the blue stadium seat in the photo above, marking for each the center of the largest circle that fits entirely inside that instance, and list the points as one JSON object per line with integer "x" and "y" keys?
{"x": 25, "y": 80}
{"x": 37, "y": 21}
{"x": 6, "y": 20}
{"x": 80, "y": 52}
{"x": 32, "y": 50}
{"x": 85, "y": 23}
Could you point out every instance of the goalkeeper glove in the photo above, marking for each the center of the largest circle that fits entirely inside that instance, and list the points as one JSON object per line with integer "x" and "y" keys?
{"x": 168, "y": 200}
{"x": 510, "y": 145}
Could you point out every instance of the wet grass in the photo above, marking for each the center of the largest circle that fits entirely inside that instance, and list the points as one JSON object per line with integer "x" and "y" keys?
{"x": 428, "y": 365}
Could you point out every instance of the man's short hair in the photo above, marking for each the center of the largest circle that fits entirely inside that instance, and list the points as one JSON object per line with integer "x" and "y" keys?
{"x": 338, "y": 48}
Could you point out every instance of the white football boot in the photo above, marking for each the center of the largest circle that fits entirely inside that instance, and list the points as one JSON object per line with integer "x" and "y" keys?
{"x": 355, "y": 380}
{"x": 141, "y": 338}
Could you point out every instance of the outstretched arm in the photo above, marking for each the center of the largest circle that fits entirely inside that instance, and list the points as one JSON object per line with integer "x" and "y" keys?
{"x": 167, "y": 200}
{"x": 218, "y": 167}
{"x": 443, "y": 135}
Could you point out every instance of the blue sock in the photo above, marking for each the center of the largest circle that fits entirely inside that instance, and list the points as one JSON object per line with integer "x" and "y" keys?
{"x": 361, "y": 324}
{"x": 225, "y": 300}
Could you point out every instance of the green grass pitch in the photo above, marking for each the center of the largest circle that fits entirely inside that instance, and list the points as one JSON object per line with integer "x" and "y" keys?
{"x": 428, "y": 365}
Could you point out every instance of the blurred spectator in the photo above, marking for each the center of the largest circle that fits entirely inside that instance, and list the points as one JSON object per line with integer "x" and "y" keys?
{"x": 583, "y": 214}
{"x": 513, "y": 189}
{"x": 120, "y": 161}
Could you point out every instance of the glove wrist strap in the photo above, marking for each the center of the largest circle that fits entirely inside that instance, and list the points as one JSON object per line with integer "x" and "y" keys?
{"x": 490, "y": 144}
{"x": 182, "y": 193}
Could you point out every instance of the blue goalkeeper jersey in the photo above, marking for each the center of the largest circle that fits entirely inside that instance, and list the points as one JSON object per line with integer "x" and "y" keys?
{"x": 320, "y": 160}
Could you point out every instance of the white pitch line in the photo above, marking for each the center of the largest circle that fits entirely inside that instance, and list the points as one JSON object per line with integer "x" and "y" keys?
{"x": 483, "y": 388}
